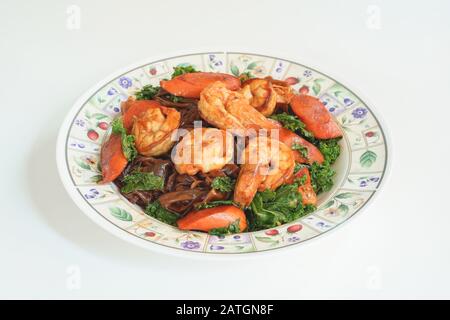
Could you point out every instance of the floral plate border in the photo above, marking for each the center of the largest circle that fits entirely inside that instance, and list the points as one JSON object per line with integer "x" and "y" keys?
{"x": 85, "y": 126}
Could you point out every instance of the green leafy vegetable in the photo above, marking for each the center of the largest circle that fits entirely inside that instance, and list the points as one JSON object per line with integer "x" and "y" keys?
{"x": 174, "y": 98}
{"x": 292, "y": 123}
{"x": 321, "y": 177}
{"x": 223, "y": 184}
{"x": 117, "y": 126}
{"x": 322, "y": 174}
{"x": 128, "y": 146}
{"x": 178, "y": 71}
{"x": 330, "y": 149}
{"x": 288, "y": 121}
{"x": 156, "y": 211}
{"x": 298, "y": 167}
{"x": 147, "y": 92}
{"x": 232, "y": 228}
{"x": 302, "y": 149}
{"x": 213, "y": 204}
{"x": 273, "y": 208}
{"x": 144, "y": 181}
{"x": 302, "y": 180}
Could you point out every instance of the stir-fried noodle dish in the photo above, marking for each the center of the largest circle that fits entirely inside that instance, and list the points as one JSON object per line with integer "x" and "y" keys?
{"x": 221, "y": 154}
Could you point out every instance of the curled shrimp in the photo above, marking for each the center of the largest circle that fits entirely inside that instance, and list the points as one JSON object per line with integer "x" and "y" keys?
{"x": 283, "y": 89}
{"x": 266, "y": 164}
{"x": 266, "y": 94}
{"x": 261, "y": 95}
{"x": 203, "y": 150}
{"x": 226, "y": 109}
{"x": 153, "y": 130}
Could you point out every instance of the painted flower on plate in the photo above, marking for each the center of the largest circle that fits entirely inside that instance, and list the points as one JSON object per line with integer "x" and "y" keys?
{"x": 259, "y": 71}
{"x": 111, "y": 92}
{"x": 92, "y": 194}
{"x": 307, "y": 73}
{"x": 80, "y": 123}
{"x": 125, "y": 82}
{"x": 348, "y": 101}
{"x": 244, "y": 59}
{"x": 359, "y": 113}
{"x": 190, "y": 245}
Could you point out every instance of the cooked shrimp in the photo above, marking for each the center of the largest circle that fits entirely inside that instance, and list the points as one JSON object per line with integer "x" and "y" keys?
{"x": 226, "y": 109}
{"x": 283, "y": 89}
{"x": 153, "y": 130}
{"x": 266, "y": 164}
{"x": 203, "y": 149}
{"x": 261, "y": 95}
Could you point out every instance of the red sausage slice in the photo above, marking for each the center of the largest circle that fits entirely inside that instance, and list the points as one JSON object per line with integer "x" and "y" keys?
{"x": 189, "y": 85}
{"x": 112, "y": 159}
{"x": 315, "y": 117}
{"x": 212, "y": 218}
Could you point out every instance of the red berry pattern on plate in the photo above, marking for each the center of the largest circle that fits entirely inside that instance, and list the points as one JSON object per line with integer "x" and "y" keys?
{"x": 294, "y": 228}
{"x": 103, "y": 125}
{"x": 92, "y": 134}
{"x": 272, "y": 232}
{"x": 291, "y": 80}
{"x": 153, "y": 71}
{"x": 304, "y": 90}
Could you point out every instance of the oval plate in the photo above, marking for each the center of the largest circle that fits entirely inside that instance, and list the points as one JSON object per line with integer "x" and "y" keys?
{"x": 360, "y": 168}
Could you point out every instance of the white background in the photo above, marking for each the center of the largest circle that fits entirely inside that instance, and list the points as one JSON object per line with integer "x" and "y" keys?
{"x": 398, "y": 248}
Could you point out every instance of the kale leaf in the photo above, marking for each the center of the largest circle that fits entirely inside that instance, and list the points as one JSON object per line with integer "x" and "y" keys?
{"x": 321, "y": 177}
{"x": 156, "y": 211}
{"x": 147, "y": 92}
{"x": 178, "y": 71}
{"x": 230, "y": 229}
{"x": 144, "y": 181}
{"x": 302, "y": 149}
{"x": 330, "y": 149}
{"x": 292, "y": 123}
{"x": 223, "y": 184}
{"x": 128, "y": 146}
{"x": 213, "y": 204}
{"x": 273, "y": 208}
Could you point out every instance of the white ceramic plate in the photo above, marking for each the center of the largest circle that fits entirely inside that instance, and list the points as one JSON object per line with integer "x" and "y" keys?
{"x": 360, "y": 168}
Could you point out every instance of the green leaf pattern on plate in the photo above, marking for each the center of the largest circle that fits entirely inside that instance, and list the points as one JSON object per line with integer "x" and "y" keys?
{"x": 121, "y": 214}
{"x": 316, "y": 86}
{"x": 235, "y": 71}
{"x": 341, "y": 204}
{"x": 367, "y": 159}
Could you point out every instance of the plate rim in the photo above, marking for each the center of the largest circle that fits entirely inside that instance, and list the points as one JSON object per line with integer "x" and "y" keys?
{"x": 149, "y": 245}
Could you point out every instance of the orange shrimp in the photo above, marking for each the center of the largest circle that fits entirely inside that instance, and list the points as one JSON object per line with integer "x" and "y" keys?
{"x": 266, "y": 164}
{"x": 261, "y": 95}
{"x": 204, "y": 150}
{"x": 153, "y": 130}
{"x": 226, "y": 109}
{"x": 132, "y": 109}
